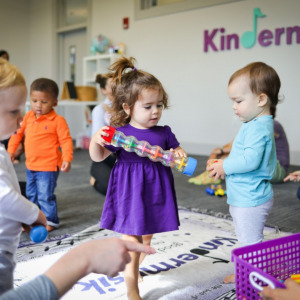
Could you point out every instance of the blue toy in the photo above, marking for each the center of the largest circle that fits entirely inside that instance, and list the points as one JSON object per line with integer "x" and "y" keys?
{"x": 210, "y": 191}
{"x": 38, "y": 234}
{"x": 215, "y": 190}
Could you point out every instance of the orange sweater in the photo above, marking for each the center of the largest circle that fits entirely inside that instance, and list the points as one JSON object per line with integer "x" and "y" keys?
{"x": 43, "y": 137}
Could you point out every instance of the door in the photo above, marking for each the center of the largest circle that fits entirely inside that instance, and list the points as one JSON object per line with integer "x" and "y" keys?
{"x": 73, "y": 49}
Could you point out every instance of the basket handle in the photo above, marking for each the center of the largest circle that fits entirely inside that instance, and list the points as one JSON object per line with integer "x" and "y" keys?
{"x": 262, "y": 278}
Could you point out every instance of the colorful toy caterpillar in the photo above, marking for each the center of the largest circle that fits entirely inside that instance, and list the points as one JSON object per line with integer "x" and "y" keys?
{"x": 185, "y": 165}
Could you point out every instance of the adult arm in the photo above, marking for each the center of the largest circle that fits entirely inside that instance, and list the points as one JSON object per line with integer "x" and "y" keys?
{"x": 97, "y": 118}
{"x": 16, "y": 139}
{"x": 294, "y": 176}
{"x": 40, "y": 288}
{"x": 221, "y": 153}
{"x": 106, "y": 256}
{"x": 13, "y": 205}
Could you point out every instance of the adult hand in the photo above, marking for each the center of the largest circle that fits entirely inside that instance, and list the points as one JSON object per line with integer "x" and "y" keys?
{"x": 111, "y": 256}
{"x": 291, "y": 292}
{"x": 41, "y": 220}
{"x": 105, "y": 256}
{"x": 12, "y": 156}
{"x": 295, "y": 176}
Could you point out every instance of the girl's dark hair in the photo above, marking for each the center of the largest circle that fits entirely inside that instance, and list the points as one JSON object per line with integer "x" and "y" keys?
{"x": 45, "y": 85}
{"x": 263, "y": 79}
{"x": 101, "y": 79}
{"x": 127, "y": 84}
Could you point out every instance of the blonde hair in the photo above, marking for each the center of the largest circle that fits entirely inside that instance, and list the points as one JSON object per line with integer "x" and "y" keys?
{"x": 10, "y": 75}
{"x": 127, "y": 83}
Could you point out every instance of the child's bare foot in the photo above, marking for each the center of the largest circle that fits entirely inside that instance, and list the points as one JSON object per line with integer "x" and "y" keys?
{"x": 133, "y": 296}
{"x": 50, "y": 228}
{"x": 229, "y": 279}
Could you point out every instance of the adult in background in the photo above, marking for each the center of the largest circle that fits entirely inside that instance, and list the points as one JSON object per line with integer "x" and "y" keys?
{"x": 100, "y": 171}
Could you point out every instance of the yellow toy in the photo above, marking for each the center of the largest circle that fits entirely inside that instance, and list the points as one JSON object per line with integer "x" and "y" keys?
{"x": 215, "y": 190}
{"x": 296, "y": 277}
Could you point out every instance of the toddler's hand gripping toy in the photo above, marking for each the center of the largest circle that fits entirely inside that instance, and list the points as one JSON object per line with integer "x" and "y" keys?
{"x": 185, "y": 165}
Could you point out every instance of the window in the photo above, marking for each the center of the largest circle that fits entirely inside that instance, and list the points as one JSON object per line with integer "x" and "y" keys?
{"x": 152, "y": 8}
{"x": 72, "y": 12}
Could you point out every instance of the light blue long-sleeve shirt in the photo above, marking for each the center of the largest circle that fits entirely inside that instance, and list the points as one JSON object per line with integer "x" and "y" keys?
{"x": 251, "y": 164}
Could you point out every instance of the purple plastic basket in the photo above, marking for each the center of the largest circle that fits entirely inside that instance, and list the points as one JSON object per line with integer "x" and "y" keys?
{"x": 266, "y": 263}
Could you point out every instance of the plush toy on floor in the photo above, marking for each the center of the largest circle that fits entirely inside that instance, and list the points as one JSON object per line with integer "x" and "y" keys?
{"x": 203, "y": 179}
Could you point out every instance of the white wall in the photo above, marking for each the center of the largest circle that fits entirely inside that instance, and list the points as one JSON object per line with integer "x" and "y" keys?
{"x": 14, "y": 24}
{"x": 171, "y": 47}
{"x": 42, "y": 38}
{"x": 27, "y": 34}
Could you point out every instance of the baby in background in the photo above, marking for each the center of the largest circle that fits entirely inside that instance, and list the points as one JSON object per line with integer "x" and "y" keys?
{"x": 45, "y": 134}
{"x": 14, "y": 208}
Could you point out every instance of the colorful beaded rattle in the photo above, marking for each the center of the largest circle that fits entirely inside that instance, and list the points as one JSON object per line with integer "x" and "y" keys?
{"x": 185, "y": 165}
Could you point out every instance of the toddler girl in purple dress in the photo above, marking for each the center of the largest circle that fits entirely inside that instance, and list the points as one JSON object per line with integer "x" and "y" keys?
{"x": 141, "y": 198}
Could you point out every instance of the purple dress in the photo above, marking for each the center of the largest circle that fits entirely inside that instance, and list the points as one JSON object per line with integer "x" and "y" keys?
{"x": 141, "y": 197}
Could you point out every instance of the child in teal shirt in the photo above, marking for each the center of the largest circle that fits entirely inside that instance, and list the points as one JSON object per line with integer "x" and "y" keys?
{"x": 250, "y": 166}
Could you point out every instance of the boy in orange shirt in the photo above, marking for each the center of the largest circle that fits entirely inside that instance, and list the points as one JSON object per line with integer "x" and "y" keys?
{"x": 45, "y": 132}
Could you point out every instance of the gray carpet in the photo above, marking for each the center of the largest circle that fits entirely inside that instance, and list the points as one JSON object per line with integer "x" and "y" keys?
{"x": 80, "y": 206}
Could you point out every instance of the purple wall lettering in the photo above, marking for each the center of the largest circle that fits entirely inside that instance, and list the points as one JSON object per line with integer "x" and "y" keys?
{"x": 218, "y": 40}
